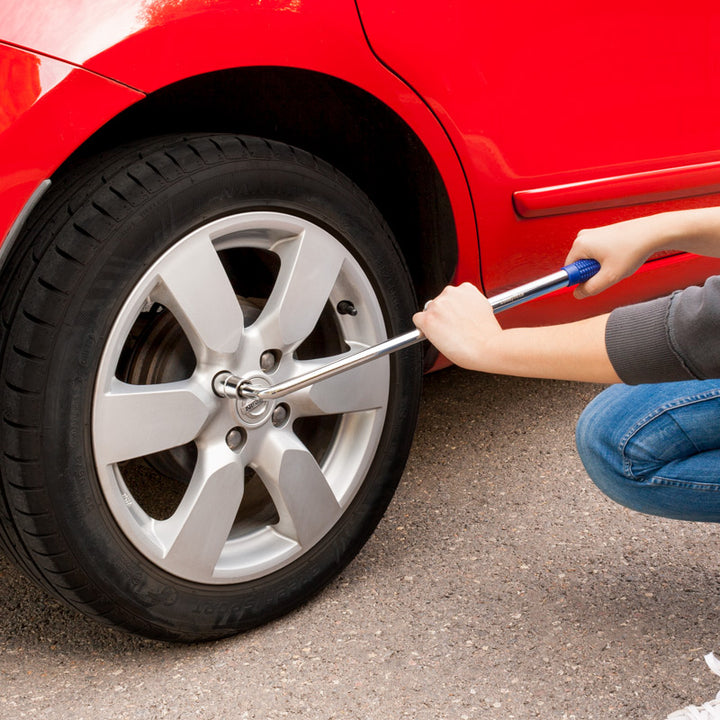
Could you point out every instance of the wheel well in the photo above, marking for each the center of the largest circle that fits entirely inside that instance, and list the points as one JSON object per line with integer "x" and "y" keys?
{"x": 330, "y": 118}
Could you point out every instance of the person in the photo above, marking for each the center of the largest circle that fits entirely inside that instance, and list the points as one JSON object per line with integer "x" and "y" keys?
{"x": 651, "y": 440}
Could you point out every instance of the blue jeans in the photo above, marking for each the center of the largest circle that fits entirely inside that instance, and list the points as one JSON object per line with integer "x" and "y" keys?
{"x": 656, "y": 448}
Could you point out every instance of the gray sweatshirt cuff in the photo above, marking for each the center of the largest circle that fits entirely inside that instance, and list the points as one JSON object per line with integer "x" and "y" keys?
{"x": 639, "y": 346}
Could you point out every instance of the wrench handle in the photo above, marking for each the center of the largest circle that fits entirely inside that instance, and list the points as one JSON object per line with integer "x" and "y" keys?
{"x": 573, "y": 274}
{"x": 581, "y": 270}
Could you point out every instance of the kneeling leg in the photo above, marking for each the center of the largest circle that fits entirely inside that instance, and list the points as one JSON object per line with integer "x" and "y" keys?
{"x": 656, "y": 448}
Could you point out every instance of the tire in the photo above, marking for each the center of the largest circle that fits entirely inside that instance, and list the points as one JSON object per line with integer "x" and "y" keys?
{"x": 129, "y": 489}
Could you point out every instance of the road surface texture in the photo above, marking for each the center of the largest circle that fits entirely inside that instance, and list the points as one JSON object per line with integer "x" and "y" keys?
{"x": 500, "y": 584}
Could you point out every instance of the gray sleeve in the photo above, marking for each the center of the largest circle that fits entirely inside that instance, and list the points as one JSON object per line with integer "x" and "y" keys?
{"x": 672, "y": 338}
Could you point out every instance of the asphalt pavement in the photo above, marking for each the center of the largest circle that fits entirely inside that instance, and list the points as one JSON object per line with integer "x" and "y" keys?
{"x": 500, "y": 584}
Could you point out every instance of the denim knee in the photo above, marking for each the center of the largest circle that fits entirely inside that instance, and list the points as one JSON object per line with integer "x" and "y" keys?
{"x": 655, "y": 448}
{"x": 597, "y": 437}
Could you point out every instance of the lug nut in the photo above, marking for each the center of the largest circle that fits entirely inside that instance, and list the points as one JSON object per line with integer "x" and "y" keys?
{"x": 280, "y": 415}
{"x": 235, "y": 439}
{"x": 269, "y": 360}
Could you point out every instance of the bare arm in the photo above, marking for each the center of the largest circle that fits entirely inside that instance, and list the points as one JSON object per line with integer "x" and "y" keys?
{"x": 621, "y": 248}
{"x": 461, "y": 324}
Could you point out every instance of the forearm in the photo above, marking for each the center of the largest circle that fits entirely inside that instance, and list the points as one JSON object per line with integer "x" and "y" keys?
{"x": 696, "y": 231}
{"x": 462, "y": 325}
{"x": 575, "y": 351}
{"x": 621, "y": 248}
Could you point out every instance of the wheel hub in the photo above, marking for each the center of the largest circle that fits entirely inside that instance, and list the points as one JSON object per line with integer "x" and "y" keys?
{"x": 254, "y": 411}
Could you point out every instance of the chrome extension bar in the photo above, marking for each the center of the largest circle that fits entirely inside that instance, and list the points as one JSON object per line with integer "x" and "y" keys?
{"x": 228, "y": 385}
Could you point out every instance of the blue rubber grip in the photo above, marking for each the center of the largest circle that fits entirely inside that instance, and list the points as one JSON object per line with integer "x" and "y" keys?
{"x": 581, "y": 270}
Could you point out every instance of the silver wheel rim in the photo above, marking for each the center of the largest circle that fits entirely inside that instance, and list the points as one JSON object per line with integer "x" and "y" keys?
{"x": 210, "y": 536}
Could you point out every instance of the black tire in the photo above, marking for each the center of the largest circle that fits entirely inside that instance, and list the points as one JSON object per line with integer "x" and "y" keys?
{"x": 66, "y": 286}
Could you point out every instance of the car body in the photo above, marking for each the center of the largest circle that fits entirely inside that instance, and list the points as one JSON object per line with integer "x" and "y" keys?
{"x": 485, "y": 137}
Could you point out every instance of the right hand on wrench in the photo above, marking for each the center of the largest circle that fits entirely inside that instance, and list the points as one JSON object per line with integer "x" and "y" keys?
{"x": 461, "y": 324}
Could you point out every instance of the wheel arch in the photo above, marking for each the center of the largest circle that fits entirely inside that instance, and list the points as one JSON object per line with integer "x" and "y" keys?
{"x": 330, "y": 118}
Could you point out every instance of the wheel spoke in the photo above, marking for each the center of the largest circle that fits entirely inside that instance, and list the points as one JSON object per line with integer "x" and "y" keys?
{"x": 195, "y": 535}
{"x": 362, "y": 388}
{"x": 308, "y": 271}
{"x": 135, "y": 420}
{"x": 197, "y": 289}
{"x": 303, "y": 498}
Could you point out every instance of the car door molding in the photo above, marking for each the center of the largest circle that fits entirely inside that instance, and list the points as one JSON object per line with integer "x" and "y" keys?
{"x": 671, "y": 183}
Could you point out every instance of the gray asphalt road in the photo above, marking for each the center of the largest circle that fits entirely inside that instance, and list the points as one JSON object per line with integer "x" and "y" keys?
{"x": 500, "y": 584}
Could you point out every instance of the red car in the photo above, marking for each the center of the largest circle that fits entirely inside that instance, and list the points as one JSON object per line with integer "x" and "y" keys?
{"x": 190, "y": 187}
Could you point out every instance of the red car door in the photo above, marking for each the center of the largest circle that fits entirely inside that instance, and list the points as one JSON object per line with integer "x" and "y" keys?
{"x": 563, "y": 115}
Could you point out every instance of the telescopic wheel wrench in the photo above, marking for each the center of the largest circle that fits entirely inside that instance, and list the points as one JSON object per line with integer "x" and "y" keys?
{"x": 226, "y": 384}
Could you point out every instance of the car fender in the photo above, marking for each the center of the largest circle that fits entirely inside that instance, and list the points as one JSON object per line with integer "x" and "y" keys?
{"x": 145, "y": 46}
{"x": 44, "y": 116}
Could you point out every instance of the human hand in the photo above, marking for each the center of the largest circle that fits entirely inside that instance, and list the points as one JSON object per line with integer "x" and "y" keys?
{"x": 620, "y": 249}
{"x": 460, "y": 323}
